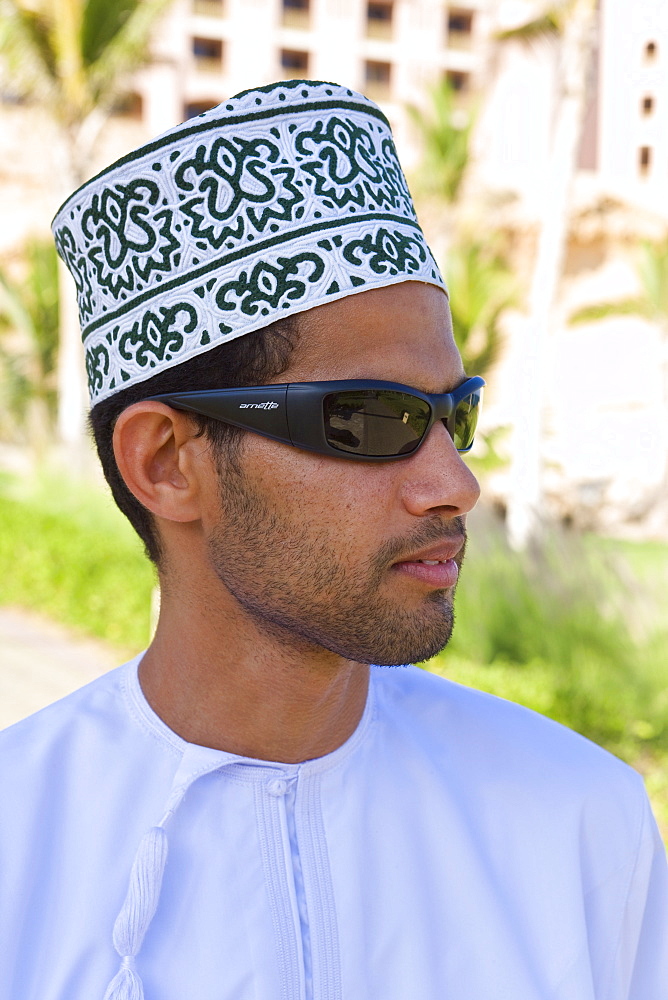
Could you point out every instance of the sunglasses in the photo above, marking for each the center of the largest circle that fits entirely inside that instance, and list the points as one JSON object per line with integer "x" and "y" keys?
{"x": 367, "y": 420}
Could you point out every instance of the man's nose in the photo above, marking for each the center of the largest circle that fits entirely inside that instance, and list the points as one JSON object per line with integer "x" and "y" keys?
{"x": 437, "y": 480}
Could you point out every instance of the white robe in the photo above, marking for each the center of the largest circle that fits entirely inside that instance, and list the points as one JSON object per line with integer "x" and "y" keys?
{"x": 456, "y": 847}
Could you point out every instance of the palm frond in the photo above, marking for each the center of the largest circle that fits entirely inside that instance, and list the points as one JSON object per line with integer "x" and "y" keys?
{"x": 27, "y": 49}
{"x": 481, "y": 288}
{"x": 14, "y": 313}
{"x": 100, "y": 23}
{"x": 126, "y": 44}
{"x": 29, "y": 314}
{"x": 66, "y": 40}
{"x": 30, "y": 306}
{"x": 548, "y": 25}
{"x": 41, "y": 294}
{"x": 73, "y": 54}
{"x": 16, "y": 390}
{"x": 652, "y": 267}
{"x": 653, "y": 272}
{"x": 604, "y": 310}
{"x": 445, "y": 132}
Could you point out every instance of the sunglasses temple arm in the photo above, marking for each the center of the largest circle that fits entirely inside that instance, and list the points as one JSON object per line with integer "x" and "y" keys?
{"x": 260, "y": 408}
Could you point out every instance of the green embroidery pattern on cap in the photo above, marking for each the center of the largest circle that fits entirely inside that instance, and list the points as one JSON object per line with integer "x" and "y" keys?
{"x": 280, "y": 199}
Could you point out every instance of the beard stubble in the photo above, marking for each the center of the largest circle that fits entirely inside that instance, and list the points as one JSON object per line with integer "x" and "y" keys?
{"x": 302, "y": 585}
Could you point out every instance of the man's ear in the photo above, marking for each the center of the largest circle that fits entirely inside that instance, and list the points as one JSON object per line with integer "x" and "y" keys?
{"x": 160, "y": 456}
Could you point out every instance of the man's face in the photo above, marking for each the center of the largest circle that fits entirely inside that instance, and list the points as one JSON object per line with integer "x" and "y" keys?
{"x": 324, "y": 552}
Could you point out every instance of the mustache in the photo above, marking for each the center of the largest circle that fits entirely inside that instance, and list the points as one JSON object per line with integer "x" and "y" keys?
{"x": 431, "y": 532}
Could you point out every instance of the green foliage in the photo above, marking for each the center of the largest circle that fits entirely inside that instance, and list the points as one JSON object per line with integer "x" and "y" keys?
{"x": 487, "y": 458}
{"x": 29, "y": 337}
{"x": 68, "y": 48}
{"x": 445, "y": 131}
{"x": 115, "y": 38}
{"x": 481, "y": 287}
{"x": 479, "y": 279}
{"x": 101, "y": 24}
{"x": 653, "y": 271}
{"x": 623, "y": 307}
{"x": 556, "y": 629}
{"x": 71, "y": 555}
{"x": 72, "y": 55}
{"x": 550, "y": 23}
{"x": 547, "y": 25}
{"x": 652, "y": 268}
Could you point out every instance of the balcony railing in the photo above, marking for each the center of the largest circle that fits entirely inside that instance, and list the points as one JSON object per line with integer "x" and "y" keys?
{"x": 378, "y": 90}
{"x": 285, "y": 73}
{"x": 375, "y": 28}
{"x": 295, "y": 18}
{"x": 209, "y": 64}
{"x": 209, "y": 8}
{"x": 460, "y": 40}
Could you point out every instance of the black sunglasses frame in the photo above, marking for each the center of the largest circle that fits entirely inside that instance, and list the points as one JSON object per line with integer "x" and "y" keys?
{"x": 293, "y": 412}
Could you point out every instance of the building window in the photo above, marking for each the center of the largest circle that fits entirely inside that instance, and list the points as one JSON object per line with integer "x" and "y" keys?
{"x": 209, "y": 8}
{"x": 377, "y": 79}
{"x": 194, "y": 108}
{"x": 130, "y": 105}
{"x": 644, "y": 160}
{"x": 647, "y": 104}
{"x": 651, "y": 51}
{"x": 460, "y": 28}
{"x": 294, "y": 64}
{"x": 379, "y": 19}
{"x": 208, "y": 54}
{"x": 296, "y": 14}
{"x": 460, "y": 82}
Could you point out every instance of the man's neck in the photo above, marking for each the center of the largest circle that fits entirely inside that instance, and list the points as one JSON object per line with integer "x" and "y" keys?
{"x": 218, "y": 681}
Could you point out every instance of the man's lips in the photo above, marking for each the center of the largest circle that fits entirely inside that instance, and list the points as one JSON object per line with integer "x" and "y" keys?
{"x": 436, "y": 566}
{"x": 446, "y": 549}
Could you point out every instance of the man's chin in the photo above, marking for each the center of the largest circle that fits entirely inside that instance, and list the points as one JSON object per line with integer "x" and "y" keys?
{"x": 412, "y": 654}
{"x": 417, "y": 642}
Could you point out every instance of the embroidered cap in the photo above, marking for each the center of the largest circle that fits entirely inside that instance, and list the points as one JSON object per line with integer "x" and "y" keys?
{"x": 281, "y": 199}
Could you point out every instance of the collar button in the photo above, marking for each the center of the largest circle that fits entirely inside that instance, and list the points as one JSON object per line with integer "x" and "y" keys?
{"x": 277, "y": 787}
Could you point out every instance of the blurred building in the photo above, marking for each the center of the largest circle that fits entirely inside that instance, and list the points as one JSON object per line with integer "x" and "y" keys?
{"x": 607, "y": 428}
{"x": 204, "y": 51}
{"x": 389, "y": 49}
{"x": 624, "y": 149}
{"x": 606, "y": 446}
{"x": 392, "y": 50}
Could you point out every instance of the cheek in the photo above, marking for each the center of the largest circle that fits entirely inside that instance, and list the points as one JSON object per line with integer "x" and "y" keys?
{"x": 314, "y": 490}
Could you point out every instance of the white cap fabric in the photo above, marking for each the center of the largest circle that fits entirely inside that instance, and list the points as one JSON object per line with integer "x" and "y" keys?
{"x": 281, "y": 199}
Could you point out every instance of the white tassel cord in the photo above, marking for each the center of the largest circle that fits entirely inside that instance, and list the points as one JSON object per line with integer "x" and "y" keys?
{"x": 137, "y": 912}
{"x": 148, "y": 869}
{"x": 126, "y": 984}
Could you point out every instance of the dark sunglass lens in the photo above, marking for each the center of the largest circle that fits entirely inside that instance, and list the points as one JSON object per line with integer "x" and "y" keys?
{"x": 375, "y": 422}
{"x": 462, "y": 424}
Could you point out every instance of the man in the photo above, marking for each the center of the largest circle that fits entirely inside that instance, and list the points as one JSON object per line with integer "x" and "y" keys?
{"x": 251, "y": 810}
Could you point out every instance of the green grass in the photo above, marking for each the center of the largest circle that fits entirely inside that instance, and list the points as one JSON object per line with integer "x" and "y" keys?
{"x": 67, "y": 552}
{"x": 573, "y": 627}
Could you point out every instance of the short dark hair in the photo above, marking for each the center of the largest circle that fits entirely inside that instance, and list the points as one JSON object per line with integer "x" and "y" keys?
{"x": 253, "y": 359}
